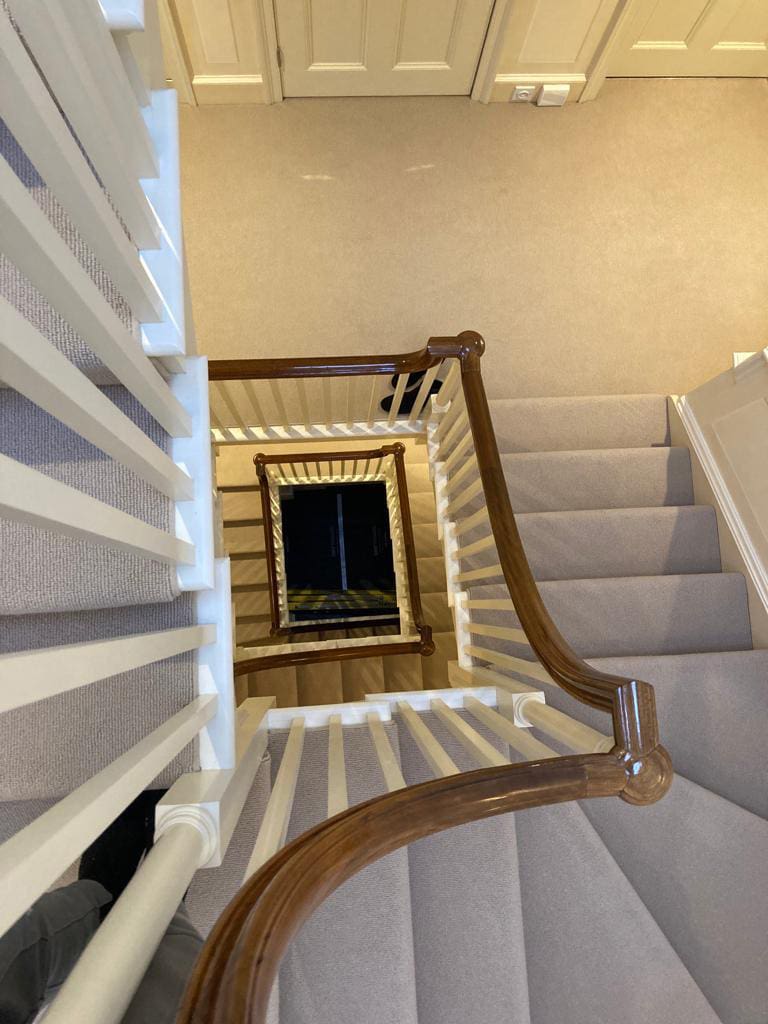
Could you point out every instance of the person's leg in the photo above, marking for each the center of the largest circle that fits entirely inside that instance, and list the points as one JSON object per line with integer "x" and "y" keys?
{"x": 40, "y": 950}
{"x": 159, "y": 995}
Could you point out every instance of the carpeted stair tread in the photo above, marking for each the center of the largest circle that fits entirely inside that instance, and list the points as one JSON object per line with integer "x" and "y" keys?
{"x": 571, "y": 423}
{"x": 52, "y": 746}
{"x": 638, "y": 615}
{"x": 711, "y": 709}
{"x": 467, "y": 921}
{"x": 609, "y": 478}
{"x": 43, "y": 571}
{"x": 353, "y": 959}
{"x": 594, "y": 952}
{"x": 18, "y": 290}
{"x": 700, "y": 865}
{"x": 211, "y": 889}
{"x": 620, "y": 542}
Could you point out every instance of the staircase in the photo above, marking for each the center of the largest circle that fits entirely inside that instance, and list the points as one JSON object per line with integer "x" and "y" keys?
{"x": 389, "y": 778}
{"x": 330, "y": 682}
{"x": 591, "y": 912}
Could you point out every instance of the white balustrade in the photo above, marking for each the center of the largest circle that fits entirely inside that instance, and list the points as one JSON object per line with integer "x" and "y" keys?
{"x": 338, "y": 799}
{"x": 434, "y": 754}
{"x": 486, "y": 755}
{"x": 390, "y": 768}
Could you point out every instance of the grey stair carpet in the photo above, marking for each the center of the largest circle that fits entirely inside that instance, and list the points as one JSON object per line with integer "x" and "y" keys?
{"x": 353, "y": 960}
{"x": 716, "y": 739}
{"x": 594, "y": 952}
{"x": 700, "y": 865}
{"x": 639, "y": 614}
{"x": 49, "y": 748}
{"x": 43, "y": 571}
{"x": 620, "y": 542}
{"x": 610, "y": 478}
{"x": 213, "y": 888}
{"x": 569, "y": 424}
{"x": 467, "y": 923}
{"x": 17, "y": 289}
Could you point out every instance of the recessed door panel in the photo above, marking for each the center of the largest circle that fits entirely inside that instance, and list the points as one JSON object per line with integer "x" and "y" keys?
{"x": 697, "y": 38}
{"x": 380, "y": 47}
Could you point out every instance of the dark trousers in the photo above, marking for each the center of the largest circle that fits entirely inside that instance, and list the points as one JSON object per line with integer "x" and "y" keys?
{"x": 39, "y": 951}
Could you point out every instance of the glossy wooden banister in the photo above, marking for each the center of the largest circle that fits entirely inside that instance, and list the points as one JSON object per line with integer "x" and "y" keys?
{"x": 261, "y": 460}
{"x": 234, "y": 975}
{"x": 323, "y": 654}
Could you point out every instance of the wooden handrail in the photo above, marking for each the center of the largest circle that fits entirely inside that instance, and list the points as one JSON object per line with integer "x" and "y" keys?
{"x": 237, "y": 967}
{"x": 322, "y": 654}
{"x": 234, "y": 975}
{"x": 261, "y": 460}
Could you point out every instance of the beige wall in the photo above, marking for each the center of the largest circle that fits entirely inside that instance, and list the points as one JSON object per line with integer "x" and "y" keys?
{"x": 616, "y": 246}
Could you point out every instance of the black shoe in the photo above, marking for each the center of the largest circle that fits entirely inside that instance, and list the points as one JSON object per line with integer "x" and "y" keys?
{"x": 413, "y": 379}
{"x": 112, "y": 859}
{"x": 409, "y": 399}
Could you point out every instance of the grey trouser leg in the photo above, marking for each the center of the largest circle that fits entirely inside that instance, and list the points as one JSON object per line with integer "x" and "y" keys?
{"x": 158, "y": 997}
{"x": 40, "y": 950}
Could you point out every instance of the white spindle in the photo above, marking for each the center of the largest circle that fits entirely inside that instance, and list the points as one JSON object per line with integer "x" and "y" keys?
{"x": 101, "y": 985}
{"x": 327, "y": 406}
{"x": 277, "y": 398}
{"x": 470, "y": 466}
{"x": 35, "y": 857}
{"x": 31, "y": 365}
{"x": 476, "y": 547}
{"x": 434, "y": 754}
{"x": 457, "y": 413}
{"x": 303, "y": 403}
{"x": 563, "y": 729}
{"x": 481, "y": 750}
{"x": 423, "y": 393}
{"x": 485, "y": 572}
{"x": 373, "y": 401}
{"x": 274, "y": 824}
{"x": 450, "y": 386}
{"x": 29, "y": 676}
{"x": 397, "y": 398}
{"x": 338, "y": 800}
{"x": 57, "y": 47}
{"x": 31, "y": 242}
{"x": 225, "y": 393}
{"x": 499, "y": 604}
{"x": 461, "y": 499}
{"x": 463, "y": 525}
{"x": 519, "y": 739}
{"x": 511, "y": 633}
{"x": 460, "y": 449}
{"x": 532, "y": 669}
{"x": 29, "y": 111}
{"x": 29, "y": 496}
{"x": 260, "y": 419}
{"x": 390, "y": 769}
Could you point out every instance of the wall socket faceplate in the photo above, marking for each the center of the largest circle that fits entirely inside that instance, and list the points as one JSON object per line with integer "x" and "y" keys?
{"x": 523, "y": 93}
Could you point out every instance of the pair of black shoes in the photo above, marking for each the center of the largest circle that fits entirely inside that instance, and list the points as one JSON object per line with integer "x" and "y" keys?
{"x": 410, "y": 394}
{"x": 112, "y": 859}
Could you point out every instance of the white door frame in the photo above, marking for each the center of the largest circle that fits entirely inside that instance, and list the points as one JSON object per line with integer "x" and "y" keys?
{"x": 484, "y": 76}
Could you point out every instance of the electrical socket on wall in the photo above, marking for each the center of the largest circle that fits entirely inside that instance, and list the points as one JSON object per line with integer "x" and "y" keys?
{"x": 523, "y": 94}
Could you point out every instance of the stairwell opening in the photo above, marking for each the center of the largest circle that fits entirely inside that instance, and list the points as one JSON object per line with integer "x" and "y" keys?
{"x": 338, "y": 552}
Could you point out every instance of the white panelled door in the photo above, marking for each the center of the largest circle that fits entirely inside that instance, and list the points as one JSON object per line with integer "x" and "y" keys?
{"x": 380, "y": 47}
{"x": 704, "y": 38}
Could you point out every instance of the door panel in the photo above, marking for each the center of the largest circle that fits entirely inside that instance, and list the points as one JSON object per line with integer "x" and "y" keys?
{"x": 380, "y": 47}
{"x": 704, "y": 38}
